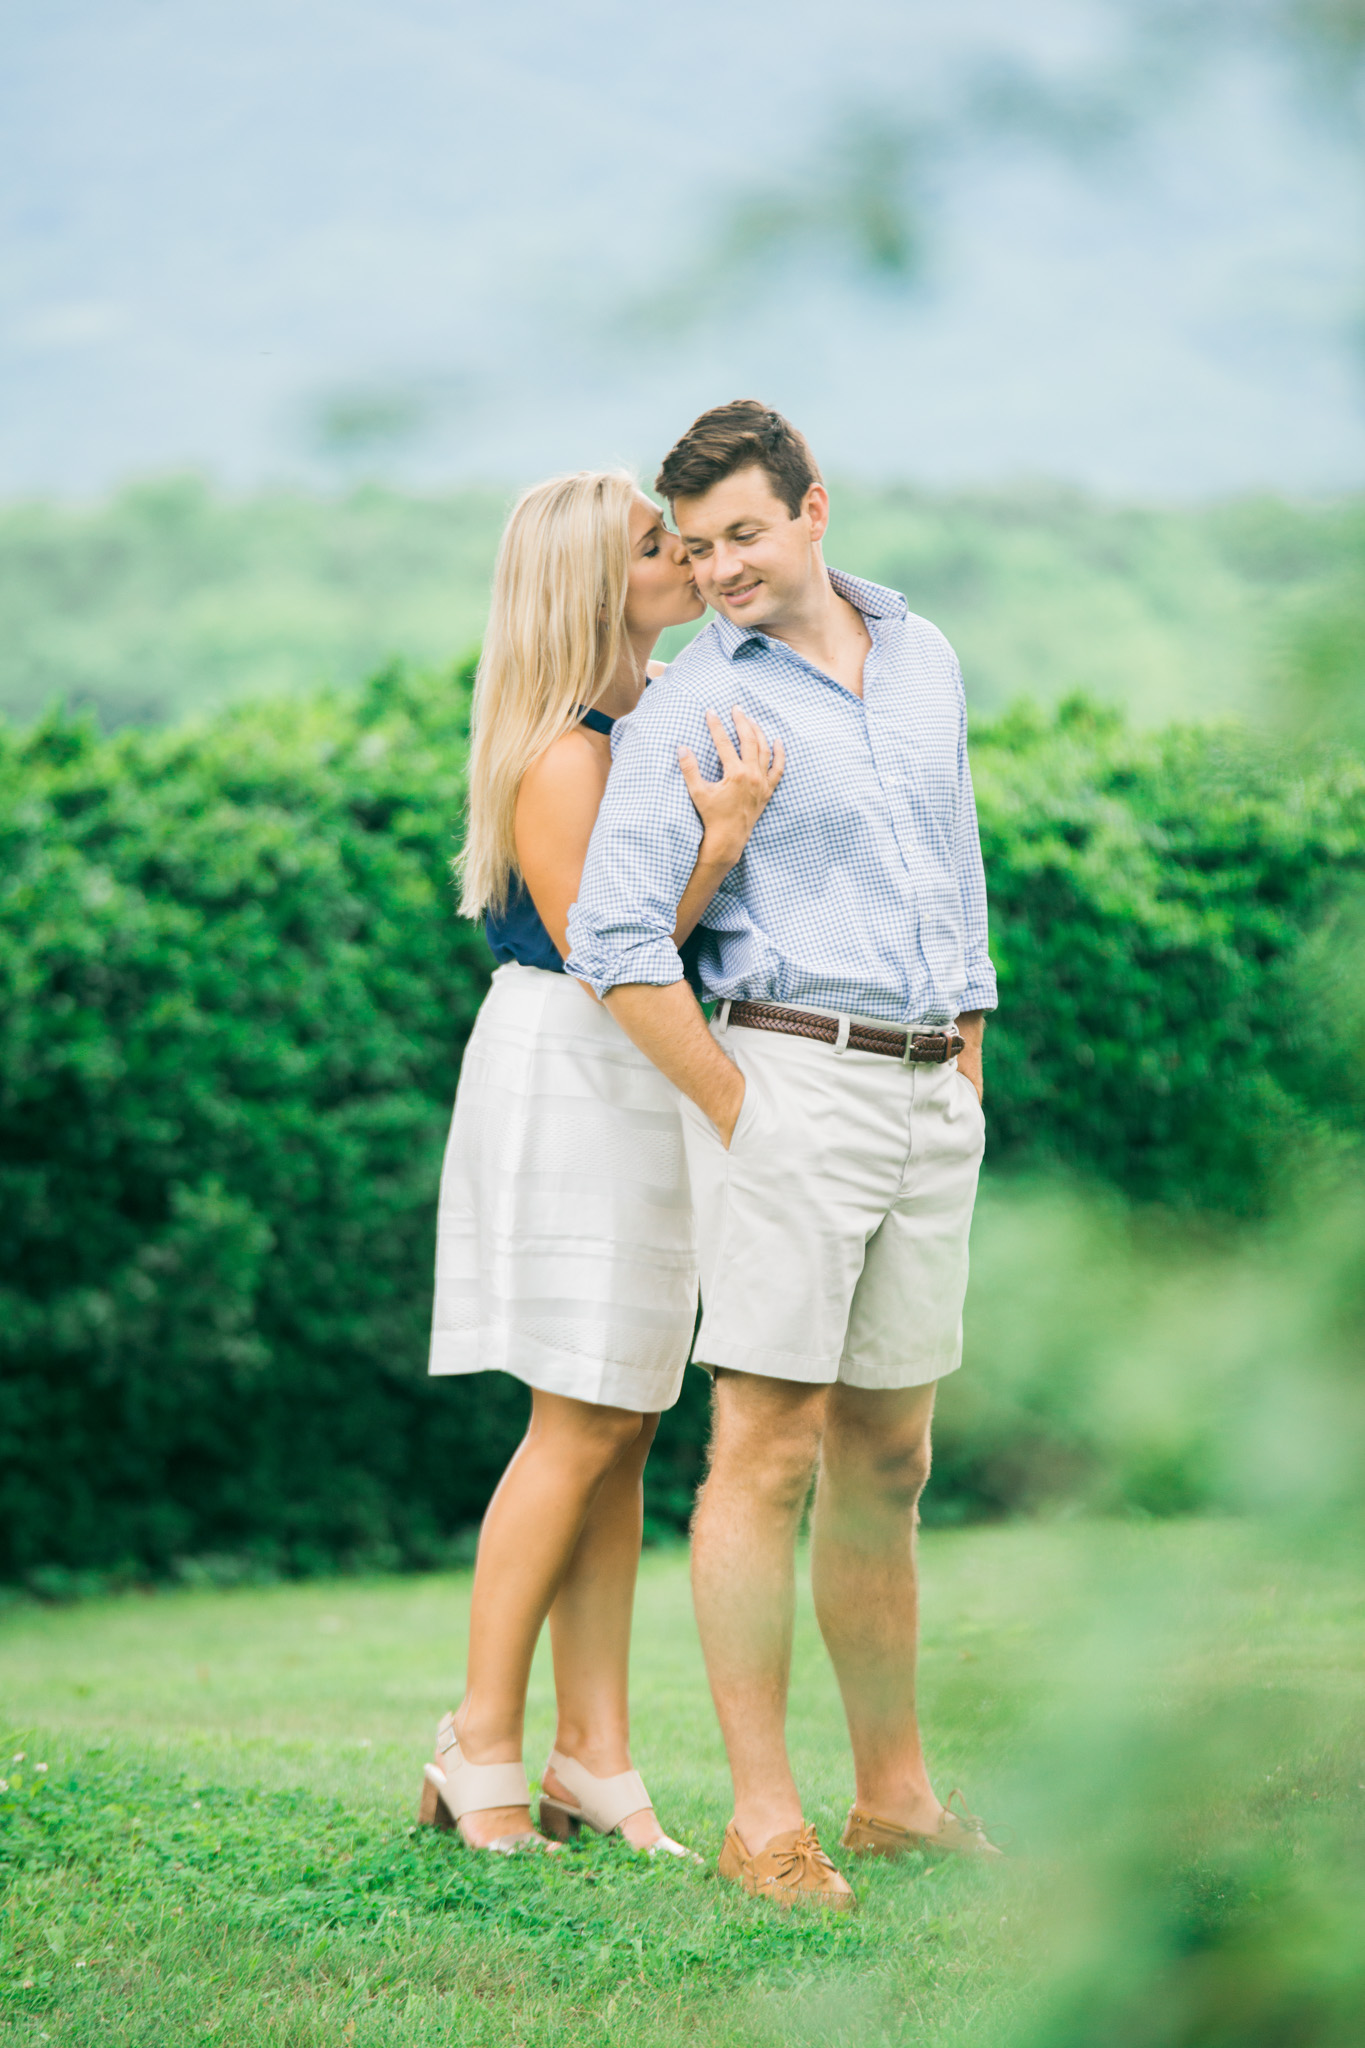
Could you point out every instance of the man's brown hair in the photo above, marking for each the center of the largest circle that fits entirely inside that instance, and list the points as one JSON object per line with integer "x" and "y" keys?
{"x": 741, "y": 435}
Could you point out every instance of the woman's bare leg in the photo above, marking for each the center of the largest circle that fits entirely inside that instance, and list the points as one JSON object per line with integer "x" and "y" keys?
{"x": 527, "y": 1544}
{"x": 590, "y": 1631}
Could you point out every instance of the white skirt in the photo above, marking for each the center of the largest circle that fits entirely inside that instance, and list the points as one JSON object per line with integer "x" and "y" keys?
{"x": 565, "y": 1249}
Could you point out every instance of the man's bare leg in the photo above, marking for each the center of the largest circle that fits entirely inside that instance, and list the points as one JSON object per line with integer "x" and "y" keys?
{"x": 873, "y": 1465}
{"x": 764, "y": 1443}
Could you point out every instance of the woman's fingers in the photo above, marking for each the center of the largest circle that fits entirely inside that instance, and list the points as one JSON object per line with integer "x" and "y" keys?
{"x": 697, "y": 785}
{"x": 750, "y": 737}
{"x": 724, "y": 745}
{"x": 764, "y": 763}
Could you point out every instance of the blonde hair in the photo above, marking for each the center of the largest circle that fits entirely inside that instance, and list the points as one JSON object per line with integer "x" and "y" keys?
{"x": 556, "y": 628}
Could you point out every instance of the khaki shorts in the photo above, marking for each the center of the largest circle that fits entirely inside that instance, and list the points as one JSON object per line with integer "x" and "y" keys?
{"x": 833, "y": 1233}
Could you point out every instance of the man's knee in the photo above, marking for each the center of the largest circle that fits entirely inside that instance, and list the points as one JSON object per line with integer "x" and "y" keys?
{"x": 879, "y": 1453}
{"x": 765, "y": 1436}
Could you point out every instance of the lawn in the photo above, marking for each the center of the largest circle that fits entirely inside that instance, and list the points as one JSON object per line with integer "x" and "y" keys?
{"x": 1165, "y": 1715}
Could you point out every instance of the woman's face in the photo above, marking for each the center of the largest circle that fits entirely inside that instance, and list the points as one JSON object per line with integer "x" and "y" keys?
{"x": 659, "y": 591}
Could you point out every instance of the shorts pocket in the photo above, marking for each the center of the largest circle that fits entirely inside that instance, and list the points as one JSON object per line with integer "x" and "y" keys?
{"x": 976, "y": 1106}
{"x": 748, "y": 1112}
{"x": 701, "y": 1122}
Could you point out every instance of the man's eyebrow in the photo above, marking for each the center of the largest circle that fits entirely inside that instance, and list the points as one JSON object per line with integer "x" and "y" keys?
{"x": 692, "y": 540}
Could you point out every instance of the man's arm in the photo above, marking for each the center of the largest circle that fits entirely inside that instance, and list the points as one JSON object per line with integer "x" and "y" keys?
{"x": 561, "y": 794}
{"x": 643, "y": 850}
{"x": 971, "y": 1027}
{"x": 979, "y": 994}
{"x": 668, "y": 1026}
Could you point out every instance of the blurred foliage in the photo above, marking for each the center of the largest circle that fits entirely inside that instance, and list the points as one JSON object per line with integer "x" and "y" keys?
{"x": 234, "y": 994}
{"x": 852, "y": 201}
{"x": 1323, "y": 693}
{"x": 1149, "y": 898}
{"x": 171, "y": 598}
{"x": 869, "y": 199}
{"x": 362, "y": 427}
{"x": 1119, "y": 1361}
{"x": 1190, "y": 1796}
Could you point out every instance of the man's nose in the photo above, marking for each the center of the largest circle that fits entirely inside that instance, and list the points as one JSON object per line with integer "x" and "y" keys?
{"x": 725, "y": 562}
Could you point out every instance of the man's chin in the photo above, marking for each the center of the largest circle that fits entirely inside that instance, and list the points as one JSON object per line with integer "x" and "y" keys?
{"x": 755, "y": 613}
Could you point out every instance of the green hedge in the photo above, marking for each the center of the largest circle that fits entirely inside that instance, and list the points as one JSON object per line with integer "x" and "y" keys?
{"x": 234, "y": 997}
{"x": 1151, "y": 895}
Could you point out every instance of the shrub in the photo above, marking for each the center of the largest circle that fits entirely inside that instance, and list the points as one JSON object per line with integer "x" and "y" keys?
{"x": 234, "y": 997}
{"x": 1151, "y": 895}
{"x": 234, "y": 1000}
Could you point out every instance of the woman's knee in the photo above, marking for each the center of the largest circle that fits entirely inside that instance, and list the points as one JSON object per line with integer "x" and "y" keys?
{"x": 582, "y": 1429}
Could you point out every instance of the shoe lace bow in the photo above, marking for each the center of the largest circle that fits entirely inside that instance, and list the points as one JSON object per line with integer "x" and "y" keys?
{"x": 972, "y": 1823}
{"x": 800, "y": 1857}
{"x": 961, "y": 1814}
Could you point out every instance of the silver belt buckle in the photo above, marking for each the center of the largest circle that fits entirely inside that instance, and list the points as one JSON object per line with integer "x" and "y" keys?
{"x": 907, "y": 1049}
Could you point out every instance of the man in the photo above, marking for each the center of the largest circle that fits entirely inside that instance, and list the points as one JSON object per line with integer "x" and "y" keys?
{"x": 832, "y": 1113}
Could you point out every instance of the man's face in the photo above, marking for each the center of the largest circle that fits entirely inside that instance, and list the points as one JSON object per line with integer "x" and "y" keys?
{"x": 752, "y": 561}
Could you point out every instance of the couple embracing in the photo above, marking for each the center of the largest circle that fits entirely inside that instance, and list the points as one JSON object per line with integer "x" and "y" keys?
{"x": 792, "y": 795}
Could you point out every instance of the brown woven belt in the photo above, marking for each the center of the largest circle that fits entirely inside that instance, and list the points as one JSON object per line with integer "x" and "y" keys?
{"x": 911, "y": 1048}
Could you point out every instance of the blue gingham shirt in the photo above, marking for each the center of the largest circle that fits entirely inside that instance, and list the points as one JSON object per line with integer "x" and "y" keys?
{"x": 861, "y": 889}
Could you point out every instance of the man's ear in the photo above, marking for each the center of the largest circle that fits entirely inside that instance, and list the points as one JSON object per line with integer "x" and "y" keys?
{"x": 815, "y": 507}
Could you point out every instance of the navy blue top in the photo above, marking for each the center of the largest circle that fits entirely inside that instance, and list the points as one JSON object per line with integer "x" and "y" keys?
{"x": 516, "y": 932}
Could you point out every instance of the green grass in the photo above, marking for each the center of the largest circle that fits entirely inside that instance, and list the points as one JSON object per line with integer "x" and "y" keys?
{"x": 221, "y": 1847}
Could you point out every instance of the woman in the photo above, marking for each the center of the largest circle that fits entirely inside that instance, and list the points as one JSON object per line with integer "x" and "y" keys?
{"x": 565, "y": 1244}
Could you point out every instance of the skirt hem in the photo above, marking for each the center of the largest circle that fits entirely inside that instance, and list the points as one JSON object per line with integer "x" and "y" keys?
{"x": 550, "y": 1372}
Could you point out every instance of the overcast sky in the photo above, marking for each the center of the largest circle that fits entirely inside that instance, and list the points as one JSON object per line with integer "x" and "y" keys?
{"x": 282, "y": 238}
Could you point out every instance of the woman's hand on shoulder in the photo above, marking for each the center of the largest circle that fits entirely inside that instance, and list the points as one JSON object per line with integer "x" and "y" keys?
{"x": 729, "y": 809}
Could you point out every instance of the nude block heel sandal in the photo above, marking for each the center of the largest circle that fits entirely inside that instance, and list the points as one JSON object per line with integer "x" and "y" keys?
{"x": 455, "y": 1787}
{"x": 602, "y": 1805}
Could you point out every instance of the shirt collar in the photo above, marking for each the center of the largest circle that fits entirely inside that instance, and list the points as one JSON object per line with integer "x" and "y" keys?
{"x": 873, "y": 600}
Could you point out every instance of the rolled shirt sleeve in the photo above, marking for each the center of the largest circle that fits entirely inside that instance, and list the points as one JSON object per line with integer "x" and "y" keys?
{"x": 643, "y": 848}
{"x": 979, "y": 992}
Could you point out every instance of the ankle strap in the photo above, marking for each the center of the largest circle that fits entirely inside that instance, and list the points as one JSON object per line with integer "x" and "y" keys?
{"x": 473, "y": 1788}
{"x": 606, "y": 1802}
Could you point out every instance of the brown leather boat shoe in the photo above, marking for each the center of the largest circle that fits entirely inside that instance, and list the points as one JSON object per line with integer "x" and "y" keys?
{"x": 958, "y": 1833}
{"x": 793, "y": 1870}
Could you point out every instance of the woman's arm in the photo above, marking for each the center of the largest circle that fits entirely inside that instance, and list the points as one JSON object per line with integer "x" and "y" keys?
{"x": 557, "y": 807}
{"x": 561, "y": 794}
